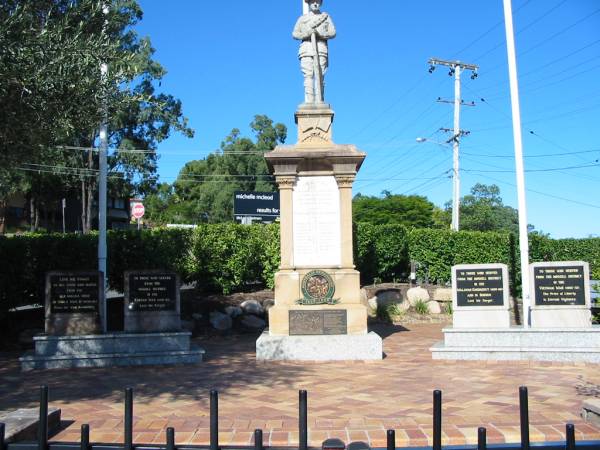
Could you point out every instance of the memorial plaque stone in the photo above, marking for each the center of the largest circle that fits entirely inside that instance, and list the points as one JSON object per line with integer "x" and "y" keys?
{"x": 480, "y": 296}
{"x": 152, "y": 301}
{"x": 561, "y": 294}
{"x": 318, "y": 322}
{"x": 73, "y": 302}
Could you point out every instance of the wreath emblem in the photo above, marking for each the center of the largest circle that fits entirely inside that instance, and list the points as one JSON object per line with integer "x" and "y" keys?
{"x": 317, "y": 289}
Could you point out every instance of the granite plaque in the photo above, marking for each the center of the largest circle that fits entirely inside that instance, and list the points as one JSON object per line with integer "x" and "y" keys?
{"x": 152, "y": 291}
{"x": 73, "y": 302}
{"x": 559, "y": 285}
{"x": 479, "y": 287}
{"x": 316, "y": 222}
{"x": 152, "y": 302}
{"x": 319, "y": 322}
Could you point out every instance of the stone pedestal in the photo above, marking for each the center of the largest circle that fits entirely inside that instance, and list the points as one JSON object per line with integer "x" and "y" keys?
{"x": 317, "y": 289}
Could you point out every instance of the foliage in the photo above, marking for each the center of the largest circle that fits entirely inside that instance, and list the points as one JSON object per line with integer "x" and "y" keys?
{"x": 230, "y": 257}
{"x": 390, "y": 312}
{"x": 54, "y": 95}
{"x": 421, "y": 307}
{"x": 381, "y": 252}
{"x": 481, "y": 210}
{"x": 410, "y": 211}
{"x": 204, "y": 189}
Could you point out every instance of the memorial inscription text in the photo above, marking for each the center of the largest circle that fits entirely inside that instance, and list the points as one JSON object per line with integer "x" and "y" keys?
{"x": 555, "y": 285}
{"x": 479, "y": 287}
{"x": 152, "y": 292}
{"x": 74, "y": 294}
{"x": 318, "y": 322}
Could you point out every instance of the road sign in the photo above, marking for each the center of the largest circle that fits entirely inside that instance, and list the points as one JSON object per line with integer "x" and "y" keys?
{"x": 137, "y": 210}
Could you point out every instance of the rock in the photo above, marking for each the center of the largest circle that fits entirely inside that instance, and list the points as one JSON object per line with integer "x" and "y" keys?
{"x": 442, "y": 294}
{"x": 389, "y": 296}
{"x": 268, "y": 304}
{"x": 187, "y": 325}
{"x": 220, "y": 321}
{"x": 253, "y": 322}
{"x": 233, "y": 311}
{"x": 404, "y": 306}
{"x": 415, "y": 294}
{"x": 252, "y": 307}
{"x": 434, "y": 307}
{"x": 372, "y": 303}
{"x": 363, "y": 296}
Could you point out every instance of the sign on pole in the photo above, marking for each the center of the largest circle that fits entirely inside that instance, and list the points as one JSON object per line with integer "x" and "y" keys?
{"x": 251, "y": 207}
{"x": 137, "y": 210}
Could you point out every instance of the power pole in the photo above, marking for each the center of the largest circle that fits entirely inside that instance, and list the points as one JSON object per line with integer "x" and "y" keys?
{"x": 456, "y": 67}
{"x": 102, "y": 189}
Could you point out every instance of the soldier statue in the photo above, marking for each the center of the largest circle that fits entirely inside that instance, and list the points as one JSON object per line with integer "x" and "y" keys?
{"x": 314, "y": 29}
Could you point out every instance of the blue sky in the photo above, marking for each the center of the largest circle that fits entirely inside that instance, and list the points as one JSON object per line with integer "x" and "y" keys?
{"x": 228, "y": 60}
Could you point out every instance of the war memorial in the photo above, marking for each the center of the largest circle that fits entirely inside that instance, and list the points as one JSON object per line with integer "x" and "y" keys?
{"x": 318, "y": 316}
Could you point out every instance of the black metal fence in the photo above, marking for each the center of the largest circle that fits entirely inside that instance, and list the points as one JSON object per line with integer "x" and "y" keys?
{"x": 329, "y": 444}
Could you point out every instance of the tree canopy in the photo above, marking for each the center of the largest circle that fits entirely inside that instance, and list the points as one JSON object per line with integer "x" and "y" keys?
{"x": 412, "y": 210}
{"x": 204, "y": 189}
{"x": 53, "y": 96}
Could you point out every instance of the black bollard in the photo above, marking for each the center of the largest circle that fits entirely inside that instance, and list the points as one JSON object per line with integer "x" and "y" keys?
{"x": 43, "y": 419}
{"x": 2, "y": 434}
{"x": 524, "y": 409}
{"x": 84, "y": 442}
{"x": 481, "y": 438}
{"x": 570, "y": 432}
{"x": 258, "y": 439}
{"x": 214, "y": 420}
{"x": 437, "y": 420}
{"x": 128, "y": 420}
{"x": 391, "y": 440}
{"x": 170, "y": 438}
{"x": 303, "y": 420}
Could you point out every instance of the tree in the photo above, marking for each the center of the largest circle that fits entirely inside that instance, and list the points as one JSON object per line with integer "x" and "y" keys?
{"x": 204, "y": 189}
{"x": 412, "y": 210}
{"x": 482, "y": 210}
{"x": 53, "y": 95}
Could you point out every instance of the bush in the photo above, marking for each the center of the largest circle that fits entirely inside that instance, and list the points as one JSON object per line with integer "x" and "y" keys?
{"x": 421, "y": 307}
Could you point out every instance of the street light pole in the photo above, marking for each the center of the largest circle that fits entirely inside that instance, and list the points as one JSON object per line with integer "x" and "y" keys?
{"x": 518, "y": 142}
{"x": 102, "y": 189}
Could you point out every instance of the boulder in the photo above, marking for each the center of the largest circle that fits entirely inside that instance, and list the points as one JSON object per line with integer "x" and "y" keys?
{"x": 434, "y": 307}
{"x": 372, "y": 303}
{"x": 268, "y": 304}
{"x": 415, "y": 294}
{"x": 253, "y": 322}
{"x": 233, "y": 311}
{"x": 220, "y": 321}
{"x": 388, "y": 297}
{"x": 252, "y": 307}
{"x": 442, "y": 294}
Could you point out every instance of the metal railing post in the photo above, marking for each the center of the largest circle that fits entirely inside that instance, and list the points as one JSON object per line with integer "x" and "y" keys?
{"x": 570, "y": 432}
{"x": 437, "y": 420}
{"x": 391, "y": 440}
{"x": 214, "y": 420}
{"x": 128, "y": 420}
{"x": 84, "y": 442}
{"x": 43, "y": 419}
{"x": 524, "y": 410}
{"x": 303, "y": 420}
{"x": 170, "y": 438}
{"x": 2, "y": 434}
{"x": 481, "y": 438}
{"x": 258, "y": 439}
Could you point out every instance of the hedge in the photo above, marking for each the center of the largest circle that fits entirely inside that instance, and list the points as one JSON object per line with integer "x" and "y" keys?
{"x": 229, "y": 257}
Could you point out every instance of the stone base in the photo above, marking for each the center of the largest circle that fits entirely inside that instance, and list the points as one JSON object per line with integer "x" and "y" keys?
{"x": 319, "y": 348}
{"x": 590, "y": 411}
{"x": 491, "y": 318}
{"x": 22, "y": 424}
{"x": 561, "y": 317}
{"x": 536, "y": 344}
{"x": 114, "y": 349}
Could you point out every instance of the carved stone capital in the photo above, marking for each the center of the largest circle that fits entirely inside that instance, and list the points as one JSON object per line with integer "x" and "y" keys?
{"x": 285, "y": 181}
{"x": 345, "y": 181}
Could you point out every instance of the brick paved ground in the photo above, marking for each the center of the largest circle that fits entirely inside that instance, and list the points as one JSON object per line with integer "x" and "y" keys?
{"x": 352, "y": 401}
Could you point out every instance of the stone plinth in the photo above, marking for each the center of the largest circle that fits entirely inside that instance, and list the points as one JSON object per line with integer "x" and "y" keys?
{"x": 561, "y": 294}
{"x": 538, "y": 344}
{"x": 480, "y": 296}
{"x": 152, "y": 301}
{"x": 113, "y": 349}
{"x": 72, "y": 302}
{"x": 319, "y": 348}
{"x": 317, "y": 289}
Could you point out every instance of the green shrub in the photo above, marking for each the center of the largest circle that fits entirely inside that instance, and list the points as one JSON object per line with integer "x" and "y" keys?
{"x": 421, "y": 307}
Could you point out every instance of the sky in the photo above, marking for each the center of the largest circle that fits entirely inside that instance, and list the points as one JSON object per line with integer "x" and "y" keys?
{"x": 229, "y": 60}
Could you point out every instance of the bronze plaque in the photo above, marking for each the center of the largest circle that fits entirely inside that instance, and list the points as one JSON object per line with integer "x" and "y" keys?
{"x": 306, "y": 323}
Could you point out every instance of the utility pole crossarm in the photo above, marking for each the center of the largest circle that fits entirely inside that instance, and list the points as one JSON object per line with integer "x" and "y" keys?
{"x": 443, "y": 62}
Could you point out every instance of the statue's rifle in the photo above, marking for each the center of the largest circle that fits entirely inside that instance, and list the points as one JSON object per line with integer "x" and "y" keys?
{"x": 317, "y": 65}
